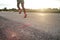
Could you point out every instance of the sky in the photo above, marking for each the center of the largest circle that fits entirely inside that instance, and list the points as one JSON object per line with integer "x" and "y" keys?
{"x": 31, "y": 4}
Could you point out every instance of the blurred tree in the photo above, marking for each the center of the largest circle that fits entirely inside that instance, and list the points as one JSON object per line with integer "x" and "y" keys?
{"x": 5, "y": 9}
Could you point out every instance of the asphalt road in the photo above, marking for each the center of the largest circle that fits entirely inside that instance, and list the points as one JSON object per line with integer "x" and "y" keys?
{"x": 37, "y": 26}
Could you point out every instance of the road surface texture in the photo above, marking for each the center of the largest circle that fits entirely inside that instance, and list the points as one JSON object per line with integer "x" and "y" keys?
{"x": 37, "y": 26}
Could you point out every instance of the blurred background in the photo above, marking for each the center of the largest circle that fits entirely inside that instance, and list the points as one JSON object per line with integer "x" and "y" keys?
{"x": 32, "y": 5}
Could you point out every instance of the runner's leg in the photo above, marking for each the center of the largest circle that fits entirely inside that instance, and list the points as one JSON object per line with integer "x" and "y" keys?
{"x": 19, "y": 9}
{"x": 25, "y": 15}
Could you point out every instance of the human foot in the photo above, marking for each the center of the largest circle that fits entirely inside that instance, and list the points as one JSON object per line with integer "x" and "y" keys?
{"x": 20, "y": 11}
{"x": 25, "y": 15}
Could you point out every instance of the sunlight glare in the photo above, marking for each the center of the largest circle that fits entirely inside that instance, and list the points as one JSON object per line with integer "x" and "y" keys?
{"x": 41, "y": 4}
{"x": 31, "y": 4}
{"x": 42, "y": 14}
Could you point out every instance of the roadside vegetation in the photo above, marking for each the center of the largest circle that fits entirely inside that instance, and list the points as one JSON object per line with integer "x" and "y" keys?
{"x": 47, "y": 10}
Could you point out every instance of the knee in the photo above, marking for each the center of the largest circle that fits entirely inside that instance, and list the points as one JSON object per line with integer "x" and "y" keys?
{"x": 18, "y": 5}
{"x": 23, "y": 7}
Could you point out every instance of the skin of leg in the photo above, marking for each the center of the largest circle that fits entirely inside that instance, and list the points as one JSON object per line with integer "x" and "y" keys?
{"x": 19, "y": 9}
{"x": 18, "y": 6}
{"x": 22, "y": 4}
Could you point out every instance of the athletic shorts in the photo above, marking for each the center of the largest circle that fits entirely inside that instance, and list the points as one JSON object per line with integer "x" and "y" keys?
{"x": 20, "y": 1}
